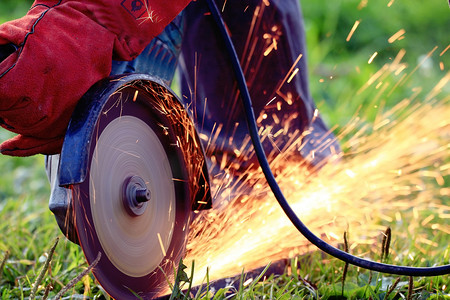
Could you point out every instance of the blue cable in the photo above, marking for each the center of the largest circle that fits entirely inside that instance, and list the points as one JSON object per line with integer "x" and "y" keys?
{"x": 262, "y": 159}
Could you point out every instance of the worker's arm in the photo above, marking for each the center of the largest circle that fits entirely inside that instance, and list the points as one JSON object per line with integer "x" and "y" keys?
{"x": 50, "y": 58}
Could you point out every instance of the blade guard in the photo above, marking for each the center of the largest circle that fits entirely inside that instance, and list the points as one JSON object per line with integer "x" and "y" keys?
{"x": 74, "y": 157}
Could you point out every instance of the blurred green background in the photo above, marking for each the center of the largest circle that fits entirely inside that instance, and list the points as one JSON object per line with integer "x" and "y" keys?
{"x": 12, "y": 9}
{"x": 328, "y": 23}
{"x": 338, "y": 69}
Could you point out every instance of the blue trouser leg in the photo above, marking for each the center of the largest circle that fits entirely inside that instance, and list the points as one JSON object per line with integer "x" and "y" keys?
{"x": 268, "y": 40}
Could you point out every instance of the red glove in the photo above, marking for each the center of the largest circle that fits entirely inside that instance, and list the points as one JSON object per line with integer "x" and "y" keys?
{"x": 63, "y": 48}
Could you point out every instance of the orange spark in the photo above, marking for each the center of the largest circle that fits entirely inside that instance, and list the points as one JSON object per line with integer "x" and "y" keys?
{"x": 224, "y": 4}
{"x": 273, "y": 99}
{"x": 161, "y": 244}
{"x": 445, "y": 50}
{"x": 288, "y": 75}
{"x": 293, "y": 75}
{"x": 352, "y": 31}
{"x": 398, "y": 35}
{"x": 372, "y": 57}
{"x": 390, "y": 167}
{"x": 362, "y": 4}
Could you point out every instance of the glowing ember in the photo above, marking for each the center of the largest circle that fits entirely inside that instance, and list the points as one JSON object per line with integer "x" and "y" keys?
{"x": 396, "y": 165}
{"x": 372, "y": 57}
{"x": 352, "y": 31}
{"x": 445, "y": 50}
{"x": 397, "y": 36}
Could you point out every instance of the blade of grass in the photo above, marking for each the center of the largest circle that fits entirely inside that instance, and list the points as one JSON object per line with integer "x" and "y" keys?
{"x": 43, "y": 270}
{"x": 391, "y": 289}
{"x": 385, "y": 244}
{"x": 78, "y": 278}
{"x": 257, "y": 279}
{"x": 410, "y": 288}
{"x": 180, "y": 277}
{"x": 191, "y": 279}
{"x": 3, "y": 264}
{"x": 241, "y": 285}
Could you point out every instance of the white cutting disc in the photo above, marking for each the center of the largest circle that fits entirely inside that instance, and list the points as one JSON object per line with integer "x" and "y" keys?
{"x": 128, "y": 147}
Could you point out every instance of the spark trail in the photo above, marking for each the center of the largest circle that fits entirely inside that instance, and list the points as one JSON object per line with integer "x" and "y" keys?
{"x": 394, "y": 170}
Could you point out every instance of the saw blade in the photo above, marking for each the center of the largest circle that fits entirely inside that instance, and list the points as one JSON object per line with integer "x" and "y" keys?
{"x": 135, "y": 244}
{"x": 130, "y": 209}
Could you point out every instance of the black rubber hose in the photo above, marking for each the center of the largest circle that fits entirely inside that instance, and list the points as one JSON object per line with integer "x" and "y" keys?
{"x": 324, "y": 246}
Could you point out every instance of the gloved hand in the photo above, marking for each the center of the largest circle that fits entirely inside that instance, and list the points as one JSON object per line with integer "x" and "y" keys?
{"x": 63, "y": 48}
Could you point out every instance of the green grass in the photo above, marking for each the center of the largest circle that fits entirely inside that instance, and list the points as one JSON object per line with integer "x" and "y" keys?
{"x": 338, "y": 70}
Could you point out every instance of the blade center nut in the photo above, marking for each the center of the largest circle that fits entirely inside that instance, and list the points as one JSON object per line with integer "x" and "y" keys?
{"x": 135, "y": 196}
{"x": 143, "y": 195}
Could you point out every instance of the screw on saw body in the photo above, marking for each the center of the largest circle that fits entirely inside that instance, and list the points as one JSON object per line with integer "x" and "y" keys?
{"x": 135, "y": 196}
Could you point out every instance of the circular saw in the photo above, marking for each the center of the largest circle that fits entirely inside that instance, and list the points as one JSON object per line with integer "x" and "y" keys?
{"x": 131, "y": 172}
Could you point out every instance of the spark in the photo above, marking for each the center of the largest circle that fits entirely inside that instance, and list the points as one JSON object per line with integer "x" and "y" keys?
{"x": 184, "y": 131}
{"x": 350, "y": 173}
{"x": 288, "y": 74}
{"x": 396, "y": 67}
{"x": 151, "y": 16}
{"x": 352, "y": 31}
{"x": 439, "y": 87}
{"x": 273, "y": 99}
{"x": 364, "y": 189}
{"x": 203, "y": 136}
{"x": 387, "y": 161}
{"x": 180, "y": 180}
{"x": 224, "y": 4}
{"x": 362, "y": 4}
{"x": 248, "y": 281}
{"x": 126, "y": 152}
{"x": 161, "y": 244}
{"x": 372, "y": 57}
{"x": 256, "y": 14}
{"x": 426, "y": 57}
{"x": 293, "y": 75}
{"x": 445, "y": 50}
{"x": 398, "y": 35}
{"x": 273, "y": 45}
{"x": 427, "y": 220}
